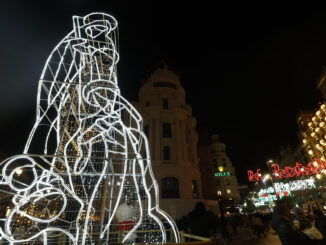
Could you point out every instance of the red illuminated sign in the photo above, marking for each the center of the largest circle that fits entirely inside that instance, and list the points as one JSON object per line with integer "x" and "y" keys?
{"x": 299, "y": 169}
{"x": 254, "y": 176}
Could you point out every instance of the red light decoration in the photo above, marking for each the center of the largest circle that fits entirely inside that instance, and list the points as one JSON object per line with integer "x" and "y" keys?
{"x": 299, "y": 169}
{"x": 254, "y": 176}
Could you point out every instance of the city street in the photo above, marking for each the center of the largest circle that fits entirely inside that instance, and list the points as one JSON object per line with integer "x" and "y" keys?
{"x": 270, "y": 239}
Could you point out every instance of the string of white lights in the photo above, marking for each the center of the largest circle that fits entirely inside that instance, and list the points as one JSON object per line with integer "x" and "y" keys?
{"x": 95, "y": 156}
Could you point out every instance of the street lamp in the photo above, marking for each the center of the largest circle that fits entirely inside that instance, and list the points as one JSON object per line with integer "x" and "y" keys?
{"x": 270, "y": 161}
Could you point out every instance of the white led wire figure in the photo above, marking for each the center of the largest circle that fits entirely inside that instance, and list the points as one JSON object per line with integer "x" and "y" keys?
{"x": 95, "y": 151}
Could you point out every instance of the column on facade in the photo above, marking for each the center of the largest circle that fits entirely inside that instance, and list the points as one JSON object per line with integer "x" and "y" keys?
{"x": 178, "y": 141}
{"x": 183, "y": 140}
{"x": 157, "y": 139}
{"x": 193, "y": 145}
{"x": 151, "y": 138}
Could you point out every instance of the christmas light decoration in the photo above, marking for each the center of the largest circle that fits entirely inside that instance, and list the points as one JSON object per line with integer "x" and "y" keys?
{"x": 312, "y": 168}
{"x": 295, "y": 185}
{"x": 254, "y": 176}
{"x": 87, "y": 157}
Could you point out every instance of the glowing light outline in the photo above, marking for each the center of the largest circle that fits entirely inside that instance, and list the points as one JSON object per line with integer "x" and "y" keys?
{"x": 106, "y": 24}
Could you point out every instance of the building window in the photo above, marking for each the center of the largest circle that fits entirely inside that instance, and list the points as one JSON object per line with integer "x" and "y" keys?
{"x": 146, "y": 130}
{"x": 147, "y": 103}
{"x": 228, "y": 191}
{"x": 170, "y": 187}
{"x": 164, "y": 84}
{"x": 194, "y": 190}
{"x": 218, "y": 183}
{"x": 166, "y": 153}
{"x": 165, "y": 104}
{"x": 219, "y": 193}
{"x": 167, "y": 133}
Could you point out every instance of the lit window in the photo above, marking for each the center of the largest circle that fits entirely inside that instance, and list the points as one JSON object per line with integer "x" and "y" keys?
{"x": 219, "y": 193}
{"x": 228, "y": 191}
{"x": 194, "y": 190}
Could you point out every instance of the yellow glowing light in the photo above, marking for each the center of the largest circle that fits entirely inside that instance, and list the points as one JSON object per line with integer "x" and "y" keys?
{"x": 8, "y": 211}
{"x": 310, "y": 152}
{"x": 317, "y": 130}
{"x": 313, "y": 134}
{"x": 220, "y": 169}
{"x": 323, "y": 106}
{"x": 19, "y": 171}
{"x": 322, "y": 124}
{"x": 318, "y": 113}
{"x": 314, "y": 119}
{"x": 304, "y": 141}
{"x": 318, "y": 176}
{"x": 310, "y": 124}
{"x": 315, "y": 164}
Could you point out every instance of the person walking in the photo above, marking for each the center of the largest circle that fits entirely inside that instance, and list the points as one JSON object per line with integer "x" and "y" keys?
{"x": 201, "y": 222}
{"x": 286, "y": 232}
{"x": 320, "y": 223}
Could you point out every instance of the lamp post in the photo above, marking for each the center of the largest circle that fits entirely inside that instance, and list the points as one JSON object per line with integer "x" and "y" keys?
{"x": 270, "y": 161}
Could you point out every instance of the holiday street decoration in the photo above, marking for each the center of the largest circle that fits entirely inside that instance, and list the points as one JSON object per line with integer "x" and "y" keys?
{"x": 87, "y": 158}
{"x": 268, "y": 195}
{"x": 312, "y": 168}
{"x": 254, "y": 176}
{"x": 295, "y": 185}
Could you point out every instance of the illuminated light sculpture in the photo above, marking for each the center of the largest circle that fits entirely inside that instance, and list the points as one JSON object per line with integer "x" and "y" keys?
{"x": 87, "y": 155}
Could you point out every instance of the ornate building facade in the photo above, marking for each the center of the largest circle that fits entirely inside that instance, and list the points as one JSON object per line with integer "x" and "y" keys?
{"x": 218, "y": 174}
{"x": 170, "y": 127}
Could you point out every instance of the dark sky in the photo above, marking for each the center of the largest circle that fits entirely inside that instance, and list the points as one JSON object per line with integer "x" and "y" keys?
{"x": 247, "y": 70}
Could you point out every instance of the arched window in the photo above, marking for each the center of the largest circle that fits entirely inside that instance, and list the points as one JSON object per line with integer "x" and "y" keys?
{"x": 170, "y": 187}
{"x": 195, "y": 194}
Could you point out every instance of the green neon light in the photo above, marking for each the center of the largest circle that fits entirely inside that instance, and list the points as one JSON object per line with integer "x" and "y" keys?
{"x": 223, "y": 174}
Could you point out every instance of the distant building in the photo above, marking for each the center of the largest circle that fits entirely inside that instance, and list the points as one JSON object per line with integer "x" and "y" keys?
{"x": 218, "y": 174}
{"x": 312, "y": 126}
{"x": 170, "y": 128}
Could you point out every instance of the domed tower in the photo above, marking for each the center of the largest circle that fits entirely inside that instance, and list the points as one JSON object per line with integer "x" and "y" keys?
{"x": 170, "y": 129}
{"x": 224, "y": 172}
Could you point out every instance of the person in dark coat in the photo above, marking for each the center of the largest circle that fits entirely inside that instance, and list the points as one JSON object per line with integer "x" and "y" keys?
{"x": 201, "y": 222}
{"x": 320, "y": 223}
{"x": 286, "y": 232}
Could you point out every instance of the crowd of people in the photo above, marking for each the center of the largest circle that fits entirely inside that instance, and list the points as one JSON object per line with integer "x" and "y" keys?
{"x": 204, "y": 223}
{"x": 291, "y": 225}
{"x": 298, "y": 226}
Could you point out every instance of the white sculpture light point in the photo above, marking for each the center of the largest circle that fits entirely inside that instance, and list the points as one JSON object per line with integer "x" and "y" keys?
{"x": 87, "y": 159}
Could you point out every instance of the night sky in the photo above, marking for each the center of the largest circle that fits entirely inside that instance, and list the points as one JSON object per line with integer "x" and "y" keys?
{"x": 247, "y": 72}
